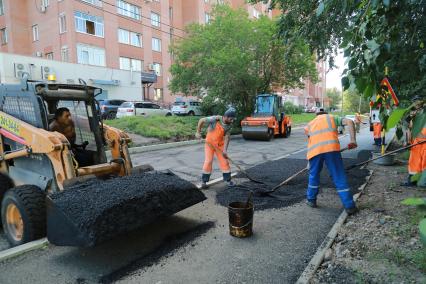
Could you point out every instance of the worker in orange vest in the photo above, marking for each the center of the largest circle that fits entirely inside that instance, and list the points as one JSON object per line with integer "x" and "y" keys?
{"x": 217, "y": 141}
{"x": 358, "y": 122}
{"x": 377, "y": 134}
{"x": 417, "y": 160}
{"x": 324, "y": 146}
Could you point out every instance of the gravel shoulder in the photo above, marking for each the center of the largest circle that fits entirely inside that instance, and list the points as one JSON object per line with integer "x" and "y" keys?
{"x": 380, "y": 244}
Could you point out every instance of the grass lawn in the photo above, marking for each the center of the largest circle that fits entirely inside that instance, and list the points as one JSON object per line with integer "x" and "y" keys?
{"x": 302, "y": 118}
{"x": 162, "y": 127}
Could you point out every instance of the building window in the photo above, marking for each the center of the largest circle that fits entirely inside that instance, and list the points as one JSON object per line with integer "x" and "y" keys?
{"x": 1, "y": 8}
{"x": 35, "y": 32}
{"x": 94, "y": 2}
{"x": 157, "y": 68}
{"x": 65, "y": 54}
{"x": 128, "y": 37}
{"x": 130, "y": 64}
{"x": 129, "y": 10}
{"x": 158, "y": 94}
{"x": 62, "y": 23}
{"x": 3, "y": 33}
{"x": 171, "y": 13}
{"x": 207, "y": 18}
{"x": 206, "y": 1}
{"x": 156, "y": 44}
{"x": 91, "y": 55}
{"x": 155, "y": 19}
{"x": 171, "y": 34}
{"x": 45, "y": 3}
{"x": 89, "y": 24}
{"x": 49, "y": 55}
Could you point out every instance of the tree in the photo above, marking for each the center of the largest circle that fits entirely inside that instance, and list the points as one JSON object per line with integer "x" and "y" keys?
{"x": 352, "y": 100}
{"x": 233, "y": 58}
{"x": 335, "y": 97}
{"x": 373, "y": 34}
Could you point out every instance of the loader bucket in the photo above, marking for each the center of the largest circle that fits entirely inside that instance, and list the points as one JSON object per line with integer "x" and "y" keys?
{"x": 94, "y": 211}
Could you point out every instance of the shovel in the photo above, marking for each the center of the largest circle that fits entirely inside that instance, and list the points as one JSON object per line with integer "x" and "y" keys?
{"x": 384, "y": 155}
{"x": 235, "y": 164}
{"x": 268, "y": 192}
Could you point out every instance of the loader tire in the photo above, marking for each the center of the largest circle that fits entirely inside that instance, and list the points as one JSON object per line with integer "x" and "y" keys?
{"x": 23, "y": 214}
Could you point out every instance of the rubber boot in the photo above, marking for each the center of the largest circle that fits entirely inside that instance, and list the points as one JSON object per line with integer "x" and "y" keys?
{"x": 204, "y": 180}
{"x": 227, "y": 179}
{"x": 408, "y": 182}
{"x": 352, "y": 210}
{"x": 312, "y": 203}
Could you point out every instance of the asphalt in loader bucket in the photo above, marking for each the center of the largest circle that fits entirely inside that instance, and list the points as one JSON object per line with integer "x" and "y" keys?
{"x": 94, "y": 211}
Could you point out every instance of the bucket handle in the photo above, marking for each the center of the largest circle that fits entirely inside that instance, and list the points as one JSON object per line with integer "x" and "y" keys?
{"x": 246, "y": 224}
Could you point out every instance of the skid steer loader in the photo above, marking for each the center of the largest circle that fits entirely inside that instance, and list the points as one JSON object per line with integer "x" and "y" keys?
{"x": 44, "y": 189}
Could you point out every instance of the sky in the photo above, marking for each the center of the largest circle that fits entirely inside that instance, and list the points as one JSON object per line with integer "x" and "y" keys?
{"x": 333, "y": 77}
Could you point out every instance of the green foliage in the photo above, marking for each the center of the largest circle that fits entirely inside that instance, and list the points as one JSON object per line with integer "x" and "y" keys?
{"x": 372, "y": 33}
{"x": 422, "y": 230}
{"x": 233, "y": 58}
{"x": 290, "y": 108}
{"x": 335, "y": 97}
{"x": 158, "y": 126}
{"x": 395, "y": 118}
{"x": 414, "y": 201}
{"x": 351, "y": 101}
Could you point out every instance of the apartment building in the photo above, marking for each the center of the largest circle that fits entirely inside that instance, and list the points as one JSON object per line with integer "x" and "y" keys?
{"x": 131, "y": 35}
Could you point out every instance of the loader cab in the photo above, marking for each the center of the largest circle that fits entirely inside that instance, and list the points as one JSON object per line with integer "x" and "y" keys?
{"x": 80, "y": 101}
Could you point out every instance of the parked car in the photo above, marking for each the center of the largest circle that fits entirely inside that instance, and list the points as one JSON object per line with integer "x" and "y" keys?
{"x": 141, "y": 109}
{"x": 186, "y": 108}
{"x": 109, "y": 108}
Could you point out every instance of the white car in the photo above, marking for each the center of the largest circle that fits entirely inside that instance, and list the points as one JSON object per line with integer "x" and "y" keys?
{"x": 186, "y": 108}
{"x": 141, "y": 109}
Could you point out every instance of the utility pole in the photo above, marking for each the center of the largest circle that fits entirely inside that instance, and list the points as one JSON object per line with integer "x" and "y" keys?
{"x": 359, "y": 106}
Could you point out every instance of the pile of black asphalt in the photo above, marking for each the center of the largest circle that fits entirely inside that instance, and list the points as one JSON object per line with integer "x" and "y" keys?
{"x": 274, "y": 172}
{"x": 98, "y": 210}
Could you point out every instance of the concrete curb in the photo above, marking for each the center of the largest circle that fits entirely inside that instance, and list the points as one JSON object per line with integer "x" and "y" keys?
{"x": 318, "y": 257}
{"x": 18, "y": 250}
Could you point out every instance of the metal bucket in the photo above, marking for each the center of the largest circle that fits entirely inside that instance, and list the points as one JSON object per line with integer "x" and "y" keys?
{"x": 388, "y": 160}
{"x": 240, "y": 219}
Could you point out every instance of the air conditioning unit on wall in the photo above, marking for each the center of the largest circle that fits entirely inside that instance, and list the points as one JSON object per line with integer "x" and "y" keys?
{"x": 39, "y": 54}
{"x": 21, "y": 70}
{"x": 151, "y": 67}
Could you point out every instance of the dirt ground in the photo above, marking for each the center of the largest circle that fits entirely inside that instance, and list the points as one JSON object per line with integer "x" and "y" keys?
{"x": 380, "y": 244}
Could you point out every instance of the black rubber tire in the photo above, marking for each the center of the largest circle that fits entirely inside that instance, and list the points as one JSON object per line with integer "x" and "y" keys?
{"x": 168, "y": 114}
{"x": 30, "y": 201}
{"x": 191, "y": 113}
{"x": 270, "y": 134}
{"x": 287, "y": 131}
{"x": 111, "y": 115}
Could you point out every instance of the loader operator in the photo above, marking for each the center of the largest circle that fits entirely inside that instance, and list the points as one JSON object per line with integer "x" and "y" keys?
{"x": 324, "y": 146}
{"x": 64, "y": 124}
{"x": 217, "y": 141}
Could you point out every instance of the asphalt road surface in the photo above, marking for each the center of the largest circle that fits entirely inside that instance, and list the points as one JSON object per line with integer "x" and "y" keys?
{"x": 194, "y": 246}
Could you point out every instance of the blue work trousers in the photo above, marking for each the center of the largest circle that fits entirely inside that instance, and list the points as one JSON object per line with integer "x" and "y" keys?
{"x": 334, "y": 163}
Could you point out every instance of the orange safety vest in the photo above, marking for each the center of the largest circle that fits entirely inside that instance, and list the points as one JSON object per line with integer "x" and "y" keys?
{"x": 322, "y": 133}
{"x": 216, "y": 133}
{"x": 377, "y": 127}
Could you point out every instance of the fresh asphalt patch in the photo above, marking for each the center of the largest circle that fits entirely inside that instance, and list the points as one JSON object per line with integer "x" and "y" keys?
{"x": 170, "y": 245}
{"x": 101, "y": 209}
{"x": 274, "y": 172}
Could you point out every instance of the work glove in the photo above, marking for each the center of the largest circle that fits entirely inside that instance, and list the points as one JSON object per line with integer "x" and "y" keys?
{"x": 352, "y": 145}
{"x": 198, "y": 135}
